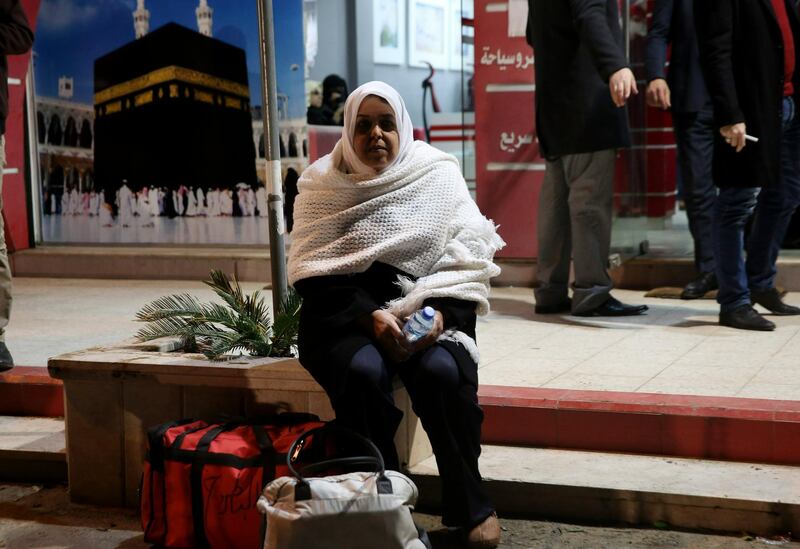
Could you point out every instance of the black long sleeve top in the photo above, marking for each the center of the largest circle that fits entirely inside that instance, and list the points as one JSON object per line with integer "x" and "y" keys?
{"x": 333, "y": 304}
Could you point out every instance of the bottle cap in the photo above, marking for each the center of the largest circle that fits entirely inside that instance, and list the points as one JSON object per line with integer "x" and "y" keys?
{"x": 428, "y": 312}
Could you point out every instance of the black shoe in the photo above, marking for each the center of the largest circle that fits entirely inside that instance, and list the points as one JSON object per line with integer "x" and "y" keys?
{"x": 700, "y": 286}
{"x": 563, "y": 307}
{"x": 746, "y": 318}
{"x": 6, "y": 362}
{"x": 771, "y": 299}
{"x": 613, "y": 307}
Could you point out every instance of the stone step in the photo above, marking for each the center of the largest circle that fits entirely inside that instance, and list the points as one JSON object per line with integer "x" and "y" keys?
{"x": 32, "y": 449}
{"x": 252, "y": 264}
{"x": 691, "y": 426}
{"x": 645, "y": 272}
{"x": 604, "y": 488}
{"x": 648, "y": 272}
{"x": 143, "y": 263}
{"x": 30, "y": 391}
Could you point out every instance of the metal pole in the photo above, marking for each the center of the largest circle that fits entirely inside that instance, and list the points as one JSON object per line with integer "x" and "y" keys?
{"x": 33, "y": 154}
{"x": 269, "y": 101}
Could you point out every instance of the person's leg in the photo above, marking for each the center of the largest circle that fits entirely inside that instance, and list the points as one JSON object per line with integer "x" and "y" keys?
{"x": 553, "y": 236}
{"x": 590, "y": 178}
{"x": 6, "y": 362}
{"x": 362, "y": 401}
{"x": 447, "y": 405}
{"x": 694, "y": 135}
{"x": 734, "y": 206}
{"x": 776, "y": 205}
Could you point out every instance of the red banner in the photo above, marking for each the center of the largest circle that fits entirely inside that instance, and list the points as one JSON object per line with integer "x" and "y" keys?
{"x": 15, "y": 204}
{"x": 508, "y": 167}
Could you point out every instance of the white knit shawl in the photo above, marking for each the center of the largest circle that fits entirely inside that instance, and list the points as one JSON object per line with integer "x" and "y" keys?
{"x": 417, "y": 216}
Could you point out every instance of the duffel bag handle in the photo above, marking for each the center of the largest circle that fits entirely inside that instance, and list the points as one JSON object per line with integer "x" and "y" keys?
{"x": 302, "y": 488}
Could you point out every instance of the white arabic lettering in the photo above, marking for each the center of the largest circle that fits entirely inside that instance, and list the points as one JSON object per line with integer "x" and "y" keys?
{"x": 518, "y": 60}
{"x": 511, "y": 143}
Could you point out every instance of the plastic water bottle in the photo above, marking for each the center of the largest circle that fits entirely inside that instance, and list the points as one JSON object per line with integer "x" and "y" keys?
{"x": 419, "y": 324}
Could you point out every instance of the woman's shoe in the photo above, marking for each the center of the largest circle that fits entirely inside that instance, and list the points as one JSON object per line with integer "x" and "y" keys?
{"x": 486, "y": 535}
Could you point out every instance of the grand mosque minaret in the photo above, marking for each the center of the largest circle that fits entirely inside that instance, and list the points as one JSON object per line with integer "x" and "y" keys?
{"x": 141, "y": 19}
{"x": 204, "y": 20}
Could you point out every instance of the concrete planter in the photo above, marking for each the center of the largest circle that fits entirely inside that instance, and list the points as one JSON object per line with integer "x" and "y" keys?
{"x": 113, "y": 394}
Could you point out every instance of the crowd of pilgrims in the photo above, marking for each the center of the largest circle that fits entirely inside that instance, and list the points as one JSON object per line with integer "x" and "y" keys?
{"x": 151, "y": 202}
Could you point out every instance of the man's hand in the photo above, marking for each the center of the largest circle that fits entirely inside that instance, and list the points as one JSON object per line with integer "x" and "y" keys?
{"x": 658, "y": 94}
{"x": 388, "y": 331}
{"x": 622, "y": 85}
{"x": 734, "y": 135}
{"x": 431, "y": 337}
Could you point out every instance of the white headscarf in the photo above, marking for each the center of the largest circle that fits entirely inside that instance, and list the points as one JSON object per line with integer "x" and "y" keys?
{"x": 405, "y": 128}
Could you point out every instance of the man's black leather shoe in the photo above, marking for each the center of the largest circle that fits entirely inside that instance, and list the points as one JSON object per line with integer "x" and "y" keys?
{"x": 771, "y": 299}
{"x": 6, "y": 362}
{"x": 746, "y": 318}
{"x": 700, "y": 286}
{"x": 563, "y": 307}
{"x": 613, "y": 307}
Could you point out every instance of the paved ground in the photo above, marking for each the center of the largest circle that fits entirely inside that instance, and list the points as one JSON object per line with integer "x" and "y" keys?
{"x": 34, "y": 517}
{"x": 677, "y": 348}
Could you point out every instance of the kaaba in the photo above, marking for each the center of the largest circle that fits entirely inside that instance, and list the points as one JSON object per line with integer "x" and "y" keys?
{"x": 173, "y": 108}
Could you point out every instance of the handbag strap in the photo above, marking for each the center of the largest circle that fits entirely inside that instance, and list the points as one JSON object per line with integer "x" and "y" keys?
{"x": 196, "y": 482}
{"x": 302, "y": 490}
{"x": 267, "y": 450}
{"x": 196, "y": 474}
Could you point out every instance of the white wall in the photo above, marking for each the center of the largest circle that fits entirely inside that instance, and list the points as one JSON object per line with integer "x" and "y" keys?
{"x": 345, "y": 48}
{"x": 408, "y": 81}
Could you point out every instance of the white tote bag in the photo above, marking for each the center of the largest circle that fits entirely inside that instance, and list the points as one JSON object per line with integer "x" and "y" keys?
{"x": 364, "y": 510}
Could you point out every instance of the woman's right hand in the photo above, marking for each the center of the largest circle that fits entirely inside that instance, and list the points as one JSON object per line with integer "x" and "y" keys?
{"x": 388, "y": 331}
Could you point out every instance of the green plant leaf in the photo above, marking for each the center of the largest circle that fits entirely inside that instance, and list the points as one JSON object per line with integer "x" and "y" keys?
{"x": 169, "y": 306}
{"x": 241, "y": 323}
{"x": 230, "y": 292}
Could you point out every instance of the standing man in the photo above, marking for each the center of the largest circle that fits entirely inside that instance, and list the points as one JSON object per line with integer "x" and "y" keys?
{"x": 16, "y": 38}
{"x": 683, "y": 90}
{"x": 749, "y": 55}
{"x": 582, "y": 84}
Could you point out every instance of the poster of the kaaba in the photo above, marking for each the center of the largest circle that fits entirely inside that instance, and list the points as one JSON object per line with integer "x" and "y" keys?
{"x": 149, "y": 119}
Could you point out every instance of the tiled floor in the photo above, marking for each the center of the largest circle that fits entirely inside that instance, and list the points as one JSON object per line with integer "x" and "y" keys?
{"x": 55, "y": 316}
{"x": 677, "y": 348}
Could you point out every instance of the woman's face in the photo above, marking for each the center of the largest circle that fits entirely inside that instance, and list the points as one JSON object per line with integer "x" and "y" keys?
{"x": 375, "y": 139}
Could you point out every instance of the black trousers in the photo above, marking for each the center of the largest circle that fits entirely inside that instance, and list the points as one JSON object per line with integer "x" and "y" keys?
{"x": 447, "y": 405}
{"x": 694, "y": 135}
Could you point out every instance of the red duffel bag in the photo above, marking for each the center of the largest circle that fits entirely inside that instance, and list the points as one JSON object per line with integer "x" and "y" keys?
{"x": 201, "y": 480}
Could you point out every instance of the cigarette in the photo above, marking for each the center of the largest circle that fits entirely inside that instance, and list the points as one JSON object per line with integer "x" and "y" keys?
{"x": 750, "y": 138}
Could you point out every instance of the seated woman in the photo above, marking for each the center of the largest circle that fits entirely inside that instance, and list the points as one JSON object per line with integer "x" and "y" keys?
{"x": 383, "y": 226}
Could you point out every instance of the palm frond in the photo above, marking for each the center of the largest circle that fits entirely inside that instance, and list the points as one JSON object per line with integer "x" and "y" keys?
{"x": 215, "y": 313}
{"x": 256, "y": 308}
{"x": 243, "y": 323}
{"x": 169, "y": 306}
{"x": 287, "y": 325}
{"x": 230, "y": 292}
{"x": 171, "y": 327}
{"x": 166, "y": 327}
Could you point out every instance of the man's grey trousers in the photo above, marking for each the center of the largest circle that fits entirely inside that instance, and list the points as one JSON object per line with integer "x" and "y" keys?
{"x": 574, "y": 221}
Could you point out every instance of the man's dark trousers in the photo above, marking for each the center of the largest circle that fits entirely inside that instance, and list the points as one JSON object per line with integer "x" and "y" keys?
{"x": 694, "y": 136}
{"x": 773, "y": 207}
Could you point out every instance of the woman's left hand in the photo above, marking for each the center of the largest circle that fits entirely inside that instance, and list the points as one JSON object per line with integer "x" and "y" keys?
{"x": 431, "y": 337}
